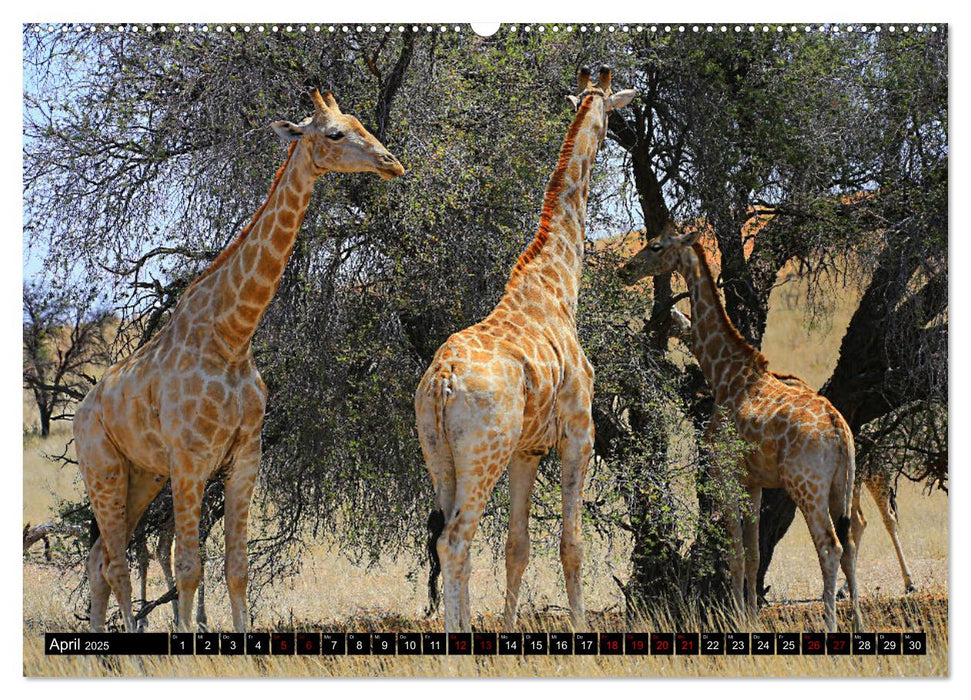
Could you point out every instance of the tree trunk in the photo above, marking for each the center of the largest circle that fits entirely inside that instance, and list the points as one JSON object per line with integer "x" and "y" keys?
{"x": 656, "y": 562}
{"x": 655, "y": 556}
{"x": 863, "y": 386}
{"x": 45, "y": 421}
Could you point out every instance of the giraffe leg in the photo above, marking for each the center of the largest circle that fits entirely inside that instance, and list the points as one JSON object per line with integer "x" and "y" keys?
{"x": 187, "y": 504}
{"x": 239, "y": 491}
{"x": 848, "y": 564}
{"x": 576, "y": 449}
{"x": 474, "y": 483}
{"x": 858, "y": 521}
{"x": 829, "y": 552}
{"x": 441, "y": 468}
{"x": 163, "y": 554}
{"x": 465, "y": 605}
{"x": 202, "y": 619}
{"x": 850, "y": 547}
{"x": 879, "y": 488}
{"x": 141, "y": 557}
{"x": 105, "y": 474}
{"x": 453, "y": 551}
{"x": 142, "y": 487}
{"x": 483, "y": 430}
{"x": 100, "y": 589}
{"x": 522, "y": 476}
{"x": 732, "y": 517}
{"x": 843, "y": 510}
{"x": 750, "y": 540}
{"x": 857, "y": 528}
{"x": 454, "y": 554}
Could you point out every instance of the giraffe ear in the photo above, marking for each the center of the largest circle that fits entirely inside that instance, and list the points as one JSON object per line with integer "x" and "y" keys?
{"x": 573, "y": 101}
{"x": 288, "y": 131}
{"x": 689, "y": 239}
{"x": 620, "y": 99}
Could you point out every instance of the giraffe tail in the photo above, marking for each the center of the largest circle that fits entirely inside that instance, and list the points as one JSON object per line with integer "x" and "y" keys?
{"x": 436, "y": 523}
{"x": 430, "y": 403}
{"x": 843, "y": 530}
{"x": 892, "y": 501}
{"x": 94, "y": 532}
{"x": 843, "y": 522}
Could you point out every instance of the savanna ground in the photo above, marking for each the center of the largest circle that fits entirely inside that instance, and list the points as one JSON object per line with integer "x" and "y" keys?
{"x": 332, "y": 593}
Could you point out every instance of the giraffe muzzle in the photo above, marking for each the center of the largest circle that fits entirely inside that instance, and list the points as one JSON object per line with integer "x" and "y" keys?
{"x": 629, "y": 274}
{"x": 390, "y": 167}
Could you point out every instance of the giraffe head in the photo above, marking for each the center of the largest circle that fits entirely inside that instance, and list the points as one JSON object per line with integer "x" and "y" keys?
{"x": 658, "y": 257}
{"x": 601, "y": 87}
{"x": 338, "y": 141}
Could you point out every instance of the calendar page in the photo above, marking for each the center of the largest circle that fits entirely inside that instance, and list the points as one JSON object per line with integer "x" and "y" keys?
{"x": 404, "y": 349}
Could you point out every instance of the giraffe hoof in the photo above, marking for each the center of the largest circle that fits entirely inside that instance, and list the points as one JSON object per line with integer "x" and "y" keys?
{"x": 910, "y": 588}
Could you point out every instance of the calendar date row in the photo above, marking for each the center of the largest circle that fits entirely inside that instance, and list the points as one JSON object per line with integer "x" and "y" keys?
{"x": 491, "y": 643}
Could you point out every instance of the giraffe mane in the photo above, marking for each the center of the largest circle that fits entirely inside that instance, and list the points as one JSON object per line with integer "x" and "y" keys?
{"x": 236, "y": 242}
{"x": 784, "y": 376}
{"x": 758, "y": 359}
{"x": 553, "y": 189}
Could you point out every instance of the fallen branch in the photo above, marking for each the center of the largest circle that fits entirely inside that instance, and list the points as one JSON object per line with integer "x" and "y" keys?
{"x": 166, "y": 597}
{"x": 32, "y": 535}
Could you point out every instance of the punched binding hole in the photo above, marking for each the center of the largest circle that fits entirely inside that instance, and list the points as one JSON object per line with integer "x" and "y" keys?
{"x": 485, "y": 28}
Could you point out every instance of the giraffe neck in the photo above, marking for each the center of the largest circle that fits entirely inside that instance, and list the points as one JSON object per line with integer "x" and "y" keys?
{"x": 246, "y": 275}
{"x": 727, "y": 361}
{"x": 554, "y": 260}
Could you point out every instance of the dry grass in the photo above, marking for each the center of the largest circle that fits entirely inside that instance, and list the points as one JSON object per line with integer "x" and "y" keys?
{"x": 42, "y": 478}
{"x": 923, "y": 533}
{"x": 331, "y": 593}
{"x": 796, "y": 342}
{"x": 922, "y": 611}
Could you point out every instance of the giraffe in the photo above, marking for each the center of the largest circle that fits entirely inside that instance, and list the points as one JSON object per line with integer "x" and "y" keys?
{"x": 875, "y": 482}
{"x": 507, "y": 389}
{"x": 798, "y": 440}
{"x": 163, "y": 555}
{"x": 189, "y": 404}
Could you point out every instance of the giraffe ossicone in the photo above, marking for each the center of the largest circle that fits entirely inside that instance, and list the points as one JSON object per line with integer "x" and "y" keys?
{"x": 189, "y": 403}
{"x": 506, "y": 390}
{"x": 797, "y": 439}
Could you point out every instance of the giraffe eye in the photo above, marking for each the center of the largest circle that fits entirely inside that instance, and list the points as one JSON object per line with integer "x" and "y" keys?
{"x": 656, "y": 247}
{"x": 335, "y": 135}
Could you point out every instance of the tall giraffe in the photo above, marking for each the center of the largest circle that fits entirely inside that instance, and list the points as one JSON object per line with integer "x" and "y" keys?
{"x": 876, "y": 483}
{"x": 799, "y": 441}
{"x": 506, "y": 390}
{"x": 189, "y": 404}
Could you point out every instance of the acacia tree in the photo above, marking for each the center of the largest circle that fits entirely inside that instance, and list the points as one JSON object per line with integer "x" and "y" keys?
{"x": 780, "y": 130}
{"x": 890, "y": 381}
{"x": 64, "y": 341}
